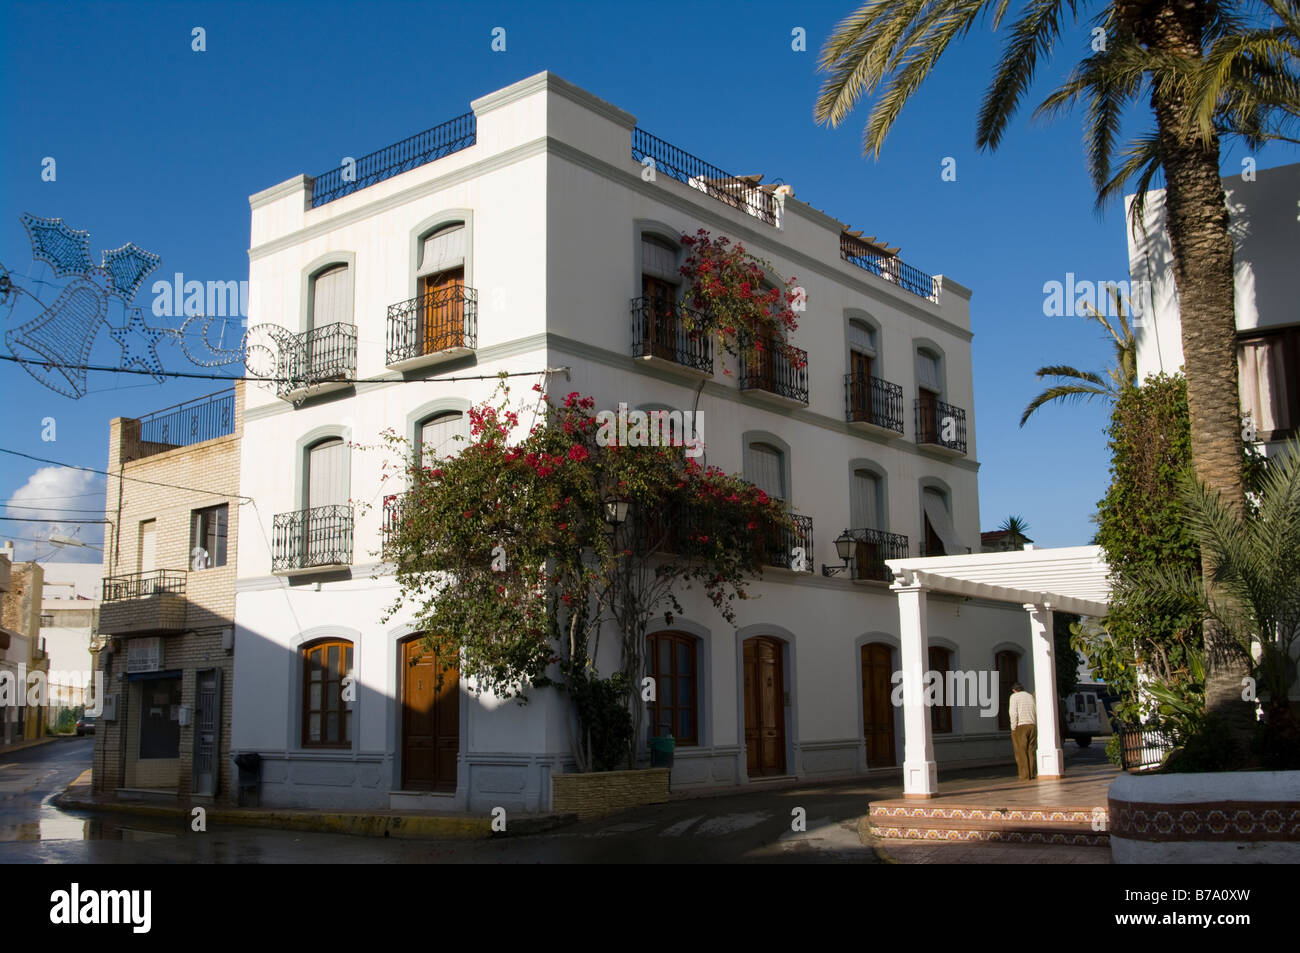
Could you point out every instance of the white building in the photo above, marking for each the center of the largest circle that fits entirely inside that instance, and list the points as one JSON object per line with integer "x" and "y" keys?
{"x": 1264, "y": 220}
{"x": 69, "y": 614}
{"x": 515, "y": 242}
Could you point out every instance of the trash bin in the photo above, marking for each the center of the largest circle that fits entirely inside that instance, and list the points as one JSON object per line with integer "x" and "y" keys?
{"x": 250, "y": 774}
{"x": 661, "y": 751}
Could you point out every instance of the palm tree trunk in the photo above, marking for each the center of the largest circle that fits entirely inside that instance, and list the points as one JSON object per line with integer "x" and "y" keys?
{"x": 1197, "y": 223}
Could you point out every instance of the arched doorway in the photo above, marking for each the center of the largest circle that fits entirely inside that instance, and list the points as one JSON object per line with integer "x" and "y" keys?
{"x": 430, "y": 719}
{"x": 877, "y": 705}
{"x": 764, "y": 668}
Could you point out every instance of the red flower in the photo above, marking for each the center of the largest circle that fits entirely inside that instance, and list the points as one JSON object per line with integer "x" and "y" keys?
{"x": 578, "y": 452}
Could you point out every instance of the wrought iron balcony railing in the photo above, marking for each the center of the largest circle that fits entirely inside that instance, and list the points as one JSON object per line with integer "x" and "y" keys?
{"x": 658, "y": 332}
{"x": 871, "y": 547}
{"x": 141, "y": 585}
{"x": 392, "y": 519}
{"x": 423, "y": 147}
{"x": 941, "y": 425}
{"x": 777, "y": 369}
{"x": 307, "y": 539}
{"x": 740, "y": 193}
{"x": 319, "y": 356}
{"x": 870, "y": 400}
{"x": 781, "y": 549}
{"x": 193, "y": 421}
{"x": 890, "y": 267}
{"x": 445, "y": 319}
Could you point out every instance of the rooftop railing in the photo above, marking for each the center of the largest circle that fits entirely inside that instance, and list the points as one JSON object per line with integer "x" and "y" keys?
{"x": 890, "y": 267}
{"x": 421, "y": 148}
{"x": 189, "y": 422}
{"x": 740, "y": 193}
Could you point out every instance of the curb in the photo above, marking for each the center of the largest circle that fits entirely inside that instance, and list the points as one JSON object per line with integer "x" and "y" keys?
{"x": 328, "y": 822}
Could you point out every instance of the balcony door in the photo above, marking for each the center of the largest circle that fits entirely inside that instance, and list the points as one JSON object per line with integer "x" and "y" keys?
{"x": 862, "y": 351}
{"x": 659, "y": 288}
{"x": 442, "y": 311}
{"x": 327, "y": 490}
{"x": 864, "y": 505}
{"x": 928, "y": 390}
{"x": 147, "y": 556}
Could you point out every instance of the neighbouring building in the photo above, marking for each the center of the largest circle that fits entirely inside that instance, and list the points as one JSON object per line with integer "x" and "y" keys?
{"x": 1003, "y": 541}
{"x": 25, "y": 653}
{"x": 69, "y": 617}
{"x": 167, "y": 605}
{"x": 1264, "y": 220}
{"x": 542, "y": 230}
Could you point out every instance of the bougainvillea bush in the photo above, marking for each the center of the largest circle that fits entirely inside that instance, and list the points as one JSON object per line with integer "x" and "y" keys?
{"x": 728, "y": 287}
{"x": 506, "y": 556}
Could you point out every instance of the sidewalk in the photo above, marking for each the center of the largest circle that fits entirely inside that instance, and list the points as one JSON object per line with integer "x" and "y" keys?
{"x": 22, "y": 745}
{"x": 407, "y": 824}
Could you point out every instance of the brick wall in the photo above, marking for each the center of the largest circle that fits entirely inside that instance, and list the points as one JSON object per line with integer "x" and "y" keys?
{"x": 201, "y": 475}
{"x": 605, "y": 792}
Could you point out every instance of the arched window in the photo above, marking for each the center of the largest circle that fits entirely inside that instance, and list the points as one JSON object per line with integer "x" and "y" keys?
{"x": 939, "y": 538}
{"x": 941, "y": 715}
{"x": 331, "y": 297}
{"x": 1007, "y": 664}
{"x": 765, "y": 468}
{"x": 674, "y": 664}
{"x": 326, "y": 704}
{"x": 441, "y": 275}
{"x": 437, "y": 435}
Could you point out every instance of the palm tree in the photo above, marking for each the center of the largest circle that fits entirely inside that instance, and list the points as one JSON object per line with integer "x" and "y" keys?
{"x": 1209, "y": 69}
{"x": 1073, "y": 384}
{"x": 1016, "y": 528}
{"x": 1255, "y": 593}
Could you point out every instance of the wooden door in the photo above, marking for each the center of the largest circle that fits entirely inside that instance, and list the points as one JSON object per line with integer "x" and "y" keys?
{"x": 660, "y": 323}
{"x": 442, "y": 324}
{"x": 1008, "y": 666}
{"x": 430, "y": 720}
{"x": 764, "y": 707}
{"x": 860, "y": 386}
{"x": 929, "y": 423}
{"x": 877, "y": 705}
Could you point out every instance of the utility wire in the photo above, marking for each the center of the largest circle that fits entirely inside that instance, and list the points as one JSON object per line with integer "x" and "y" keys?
{"x": 73, "y": 466}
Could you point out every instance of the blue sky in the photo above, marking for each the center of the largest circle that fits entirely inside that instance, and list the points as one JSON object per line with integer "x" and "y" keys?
{"x": 161, "y": 145}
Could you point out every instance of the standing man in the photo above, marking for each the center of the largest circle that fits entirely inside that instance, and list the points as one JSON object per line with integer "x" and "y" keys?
{"x": 1024, "y": 732}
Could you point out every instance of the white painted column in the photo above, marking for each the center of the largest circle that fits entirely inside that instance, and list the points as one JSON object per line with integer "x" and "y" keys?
{"x": 1051, "y": 760}
{"x": 920, "y": 774}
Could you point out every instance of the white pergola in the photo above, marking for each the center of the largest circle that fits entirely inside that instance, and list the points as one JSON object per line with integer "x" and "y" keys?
{"x": 1073, "y": 579}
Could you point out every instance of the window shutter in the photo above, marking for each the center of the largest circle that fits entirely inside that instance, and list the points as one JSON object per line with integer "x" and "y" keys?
{"x": 659, "y": 260}
{"x": 327, "y": 475}
{"x": 763, "y": 469}
{"x": 442, "y": 250}
{"x": 329, "y": 298}
{"x": 936, "y": 511}
{"x": 927, "y": 371}
{"x": 436, "y": 435}
{"x": 865, "y": 502}
{"x": 862, "y": 338}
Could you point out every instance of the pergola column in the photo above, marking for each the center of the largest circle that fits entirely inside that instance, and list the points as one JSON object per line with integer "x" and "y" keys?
{"x": 920, "y": 774}
{"x": 1051, "y": 759}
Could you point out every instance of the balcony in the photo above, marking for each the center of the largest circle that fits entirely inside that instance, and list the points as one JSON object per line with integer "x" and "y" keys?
{"x": 311, "y": 540}
{"x": 423, "y": 147}
{"x": 940, "y": 427}
{"x": 870, "y": 548}
{"x": 777, "y": 373}
{"x": 740, "y": 192}
{"x": 316, "y": 362}
{"x": 144, "y": 603}
{"x": 873, "y": 405}
{"x": 781, "y": 551}
{"x": 437, "y": 326}
{"x": 659, "y": 337}
{"x": 191, "y": 422}
{"x": 883, "y": 263}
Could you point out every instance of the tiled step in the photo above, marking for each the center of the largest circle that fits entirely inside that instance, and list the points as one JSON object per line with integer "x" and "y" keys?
{"x": 1076, "y": 826}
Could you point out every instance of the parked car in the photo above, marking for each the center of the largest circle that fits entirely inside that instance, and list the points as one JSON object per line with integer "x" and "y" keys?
{"x": 86, "y": 725}
{"x": 1087, "y": 714}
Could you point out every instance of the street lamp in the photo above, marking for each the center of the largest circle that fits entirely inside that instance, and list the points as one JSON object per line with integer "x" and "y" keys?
{"x": 844, "y": 549}
{"x": 616, "y": 511}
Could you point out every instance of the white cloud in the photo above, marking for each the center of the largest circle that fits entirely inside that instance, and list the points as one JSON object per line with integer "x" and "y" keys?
{"x": 51, "y": 494}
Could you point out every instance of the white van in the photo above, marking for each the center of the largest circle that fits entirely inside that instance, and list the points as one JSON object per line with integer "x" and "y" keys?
{"x": 1085, "y": 714}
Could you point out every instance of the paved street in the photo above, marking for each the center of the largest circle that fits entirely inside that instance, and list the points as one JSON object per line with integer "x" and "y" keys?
{"x": 752, "y": 827}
